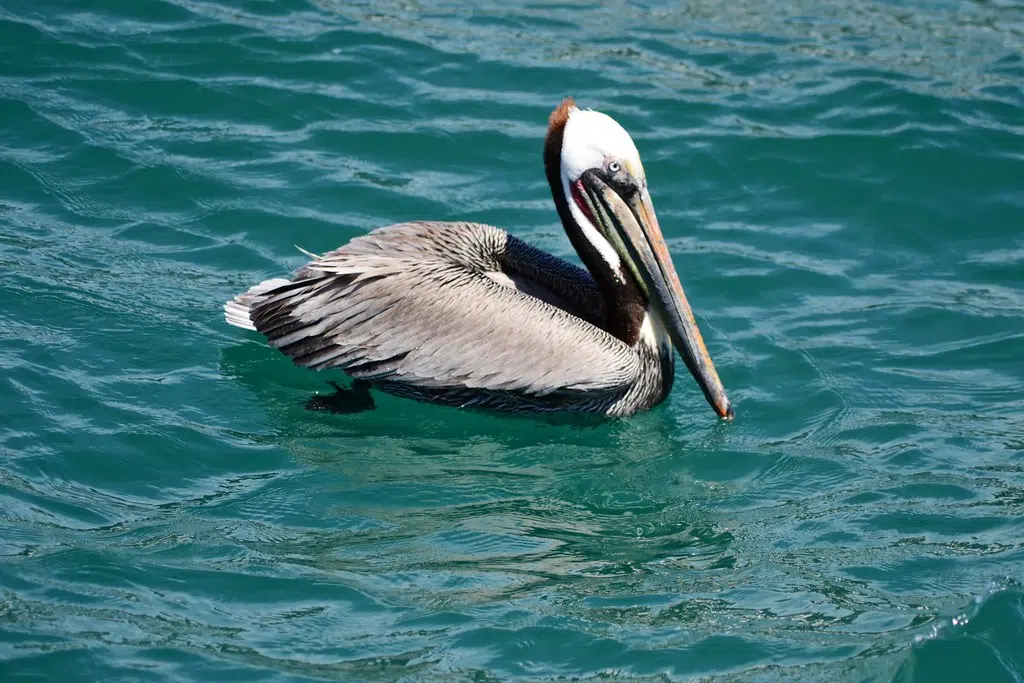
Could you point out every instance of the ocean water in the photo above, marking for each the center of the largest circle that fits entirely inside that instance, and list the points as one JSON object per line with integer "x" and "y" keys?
{"x": 841, "y": 184}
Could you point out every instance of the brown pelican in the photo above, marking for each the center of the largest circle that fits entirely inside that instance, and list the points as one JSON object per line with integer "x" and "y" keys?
{"x": 466, "y": 314}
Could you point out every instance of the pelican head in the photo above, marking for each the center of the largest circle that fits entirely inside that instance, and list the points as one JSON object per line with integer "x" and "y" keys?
{"x": 605, "y": 188}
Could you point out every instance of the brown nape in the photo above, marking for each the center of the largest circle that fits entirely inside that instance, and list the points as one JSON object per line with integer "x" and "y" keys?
{"x": 623, "y": 304}
{"x": 560, "y": 115}
{"x": 553, "y": 150}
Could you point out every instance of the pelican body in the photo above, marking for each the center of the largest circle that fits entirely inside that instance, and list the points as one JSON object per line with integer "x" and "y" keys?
{"x": 465, "y": 314}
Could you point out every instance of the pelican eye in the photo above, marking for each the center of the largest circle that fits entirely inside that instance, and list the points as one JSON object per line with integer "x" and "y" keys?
{"x": 619, "y": 178}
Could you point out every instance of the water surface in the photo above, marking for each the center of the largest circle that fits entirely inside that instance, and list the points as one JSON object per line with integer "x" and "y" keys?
{"x": 841, "y": 185}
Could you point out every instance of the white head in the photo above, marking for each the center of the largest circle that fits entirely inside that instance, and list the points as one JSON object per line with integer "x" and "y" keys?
{"x": 592, "y": 139}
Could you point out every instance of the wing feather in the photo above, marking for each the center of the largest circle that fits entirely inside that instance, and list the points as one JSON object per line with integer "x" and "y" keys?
{"x": 414, "y": 304}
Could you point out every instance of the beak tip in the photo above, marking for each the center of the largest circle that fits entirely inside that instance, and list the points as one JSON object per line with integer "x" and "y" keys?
{"x": 729, "y": 414}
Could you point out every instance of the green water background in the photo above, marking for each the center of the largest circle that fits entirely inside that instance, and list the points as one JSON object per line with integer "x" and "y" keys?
{"x": 842, "y": 186}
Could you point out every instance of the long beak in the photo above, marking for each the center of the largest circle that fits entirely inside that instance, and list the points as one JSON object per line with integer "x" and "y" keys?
{"x": 632, "y": 227}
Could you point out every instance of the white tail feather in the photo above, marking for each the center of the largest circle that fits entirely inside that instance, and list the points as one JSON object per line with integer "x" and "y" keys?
{"x": 236, "y": 311}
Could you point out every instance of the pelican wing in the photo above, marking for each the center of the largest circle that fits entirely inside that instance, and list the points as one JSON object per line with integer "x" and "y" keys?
{"x": 438, "y": 305}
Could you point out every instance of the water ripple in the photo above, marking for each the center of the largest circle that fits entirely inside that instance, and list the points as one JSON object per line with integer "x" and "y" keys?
{"x": 838, "y": 183}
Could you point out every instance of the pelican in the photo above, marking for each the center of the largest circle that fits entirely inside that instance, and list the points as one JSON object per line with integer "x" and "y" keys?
{"x": 465, "y": 314}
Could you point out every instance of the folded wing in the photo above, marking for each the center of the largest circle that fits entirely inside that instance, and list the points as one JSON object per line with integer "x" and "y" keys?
{"x": 437, "y": 306}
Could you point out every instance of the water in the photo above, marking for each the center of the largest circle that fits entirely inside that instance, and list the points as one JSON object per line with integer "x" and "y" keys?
{"x": 842, "y": 187}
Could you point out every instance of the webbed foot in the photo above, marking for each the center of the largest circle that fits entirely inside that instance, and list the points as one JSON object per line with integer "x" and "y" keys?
{"x": 344, "y": 401}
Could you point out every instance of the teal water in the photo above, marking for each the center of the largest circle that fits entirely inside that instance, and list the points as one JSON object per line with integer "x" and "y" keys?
{"x": 842, "y": 186}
